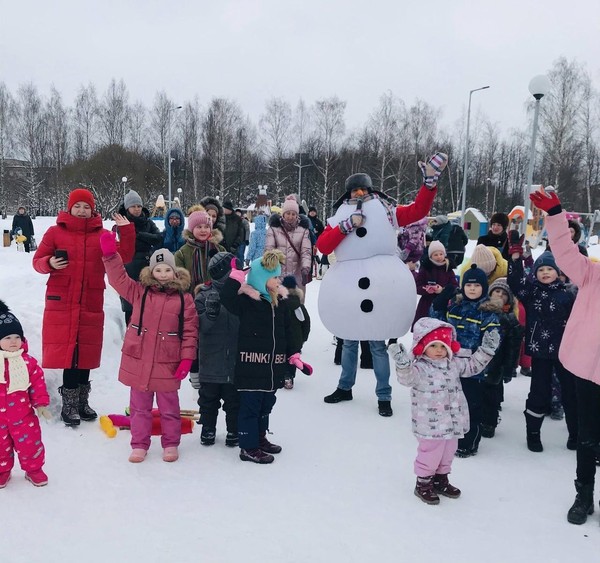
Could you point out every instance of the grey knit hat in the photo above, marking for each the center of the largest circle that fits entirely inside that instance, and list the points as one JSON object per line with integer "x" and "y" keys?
{"x": 132, "y": 198}
{"x": 162, "y": 256}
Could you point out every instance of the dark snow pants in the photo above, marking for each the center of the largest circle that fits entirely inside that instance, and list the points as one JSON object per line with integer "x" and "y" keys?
{"x": 253, "y": 420}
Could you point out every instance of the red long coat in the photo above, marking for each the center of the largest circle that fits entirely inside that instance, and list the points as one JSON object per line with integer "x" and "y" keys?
{"x": 73, "y": 315}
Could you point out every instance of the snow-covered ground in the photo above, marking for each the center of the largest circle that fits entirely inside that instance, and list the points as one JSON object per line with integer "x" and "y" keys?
{"x": 341, "y": 490}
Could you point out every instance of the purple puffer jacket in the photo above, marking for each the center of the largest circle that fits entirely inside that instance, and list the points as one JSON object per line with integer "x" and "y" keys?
{"x": 411, "y": 241}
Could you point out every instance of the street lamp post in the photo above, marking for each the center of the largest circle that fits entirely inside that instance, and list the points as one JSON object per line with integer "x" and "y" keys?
{"x": 466, "y": 163}
{"x": 180, "y": 195}
{"x": 124, "y": 180}
{"x": 170, "y": 203}
{"x": 538, "y": 87}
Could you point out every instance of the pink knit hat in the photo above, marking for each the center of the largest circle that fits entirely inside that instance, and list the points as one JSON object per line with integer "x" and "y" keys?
{"x": 198, "y": 218}
{"x": 290, "y": 204}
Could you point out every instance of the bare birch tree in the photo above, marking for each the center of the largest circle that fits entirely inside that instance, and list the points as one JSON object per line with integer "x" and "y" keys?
{"x": 114, "y": 113}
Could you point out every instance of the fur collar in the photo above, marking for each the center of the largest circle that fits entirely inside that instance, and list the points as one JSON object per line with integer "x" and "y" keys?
{"x": 276, "y": 219}
{"x": 484, "y": 304}
{"x": 181, "y": 283}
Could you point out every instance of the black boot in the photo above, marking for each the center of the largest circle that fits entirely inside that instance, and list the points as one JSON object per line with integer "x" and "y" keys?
{"x": 86, "y": 412}
{"x": 232, "y": 440}
{"x": 339, "y": 395}
{"x": 583, "y": 505}
{"x": 425, "y": 491}
{"x": 533, "y": 424}
{"x": 442, "y": 486}
{"x": 70, "y": 407}
{"x": 268, "y": 447}
{"x": 385, "y": 408}
{"x": 207, "y": 436}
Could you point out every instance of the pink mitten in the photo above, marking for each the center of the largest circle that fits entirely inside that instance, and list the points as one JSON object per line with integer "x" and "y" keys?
{"x": 237, "y": 275}
{"x": 296, "y": 360}
{"x": 108, "y": 243}
{"x": 183, "y": 369}
{"x": 433, "y": 168}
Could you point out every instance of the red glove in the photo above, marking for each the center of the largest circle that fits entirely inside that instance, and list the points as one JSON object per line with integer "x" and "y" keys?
{"x": 183, "y": 369}
{"x": 108, "y": 243}
{"x": 237, "y": 275}
{"x": 546, "y": 200}
{"x": 296, "y": 360}
{"x": 515, "y": 249}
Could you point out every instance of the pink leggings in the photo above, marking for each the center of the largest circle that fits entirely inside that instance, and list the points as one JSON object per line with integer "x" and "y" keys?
{"x": 435, "y": 456}
{"x": 140, "y": 405}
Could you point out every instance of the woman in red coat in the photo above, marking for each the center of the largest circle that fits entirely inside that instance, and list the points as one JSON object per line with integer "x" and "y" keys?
{"x": 73, "y": 315}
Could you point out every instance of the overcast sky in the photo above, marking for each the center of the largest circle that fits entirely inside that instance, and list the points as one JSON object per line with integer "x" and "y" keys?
{"x": 251, "y": 50}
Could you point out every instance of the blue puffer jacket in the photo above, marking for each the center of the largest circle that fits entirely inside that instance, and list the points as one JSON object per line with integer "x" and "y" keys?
{"x": 173, "y": 237}
{"x": 471, "y": 319}
{"x": 547, "y": 308}
{"x": 256, "y": 248}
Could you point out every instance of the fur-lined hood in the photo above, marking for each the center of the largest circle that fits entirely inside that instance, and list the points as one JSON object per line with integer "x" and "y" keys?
{"x": 181, "y": 283}
{"x": 485, "y": 304}
{"x": 216, "y": 237}
{"x": 275, "y": 220}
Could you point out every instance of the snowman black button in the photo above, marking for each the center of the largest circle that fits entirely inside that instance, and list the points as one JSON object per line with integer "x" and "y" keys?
{"x": 366, "y": 306}
{"x": 361, "y": 232}
{"x": 364, "y": 283}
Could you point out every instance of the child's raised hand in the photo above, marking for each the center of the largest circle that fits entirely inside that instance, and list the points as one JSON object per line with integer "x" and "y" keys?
{"x": 108, "y": 243}
{"x": 402, "y": 358}
{"x": 490, "y": 342}
{"x": 237, "y": 275}
{"x": 120, "y": 220}
{"x": 183, "y": 369}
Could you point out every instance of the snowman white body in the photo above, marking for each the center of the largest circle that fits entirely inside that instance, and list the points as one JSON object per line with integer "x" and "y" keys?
{"x": 369, "y": 293}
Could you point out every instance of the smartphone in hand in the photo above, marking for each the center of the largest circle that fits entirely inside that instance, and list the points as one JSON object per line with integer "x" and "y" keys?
{"x": 61, "y": 254}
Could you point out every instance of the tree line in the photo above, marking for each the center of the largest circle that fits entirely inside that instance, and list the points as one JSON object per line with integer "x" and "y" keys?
{"x": 218, "y": 150}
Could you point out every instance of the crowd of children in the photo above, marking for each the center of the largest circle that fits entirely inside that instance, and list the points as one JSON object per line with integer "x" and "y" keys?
{"x": 239, "y": 334}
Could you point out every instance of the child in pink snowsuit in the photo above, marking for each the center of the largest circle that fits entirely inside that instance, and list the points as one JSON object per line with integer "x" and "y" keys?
{"x": 440, "y": 414}
{"x": 22, "y": 389}
{"x": 159, "y": 347}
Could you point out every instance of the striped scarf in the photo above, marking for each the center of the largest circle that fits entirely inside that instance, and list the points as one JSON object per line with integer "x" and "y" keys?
{"x": 200, "y": 259}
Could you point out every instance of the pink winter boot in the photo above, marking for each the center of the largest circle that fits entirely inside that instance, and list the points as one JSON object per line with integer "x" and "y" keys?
{"x": 170, "y": 454}
{"x": 37, "y": 478}
{"x": 137, "y": 455}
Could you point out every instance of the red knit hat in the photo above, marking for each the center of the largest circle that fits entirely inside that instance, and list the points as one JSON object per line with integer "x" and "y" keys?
{"x": 440, "y": 334}
{"x": 81, "y": 194}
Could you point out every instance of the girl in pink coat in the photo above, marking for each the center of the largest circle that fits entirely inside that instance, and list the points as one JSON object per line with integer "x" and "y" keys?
{"x": 440, "y": 414}
{"x": 22, "y": 389}
{"x": 159, "y": 347}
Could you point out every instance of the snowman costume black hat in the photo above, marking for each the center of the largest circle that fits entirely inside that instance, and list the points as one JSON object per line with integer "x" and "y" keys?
{"x": 357, "y": 181}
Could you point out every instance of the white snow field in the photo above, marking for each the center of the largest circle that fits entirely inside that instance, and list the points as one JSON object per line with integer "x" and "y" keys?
{"x": 341, "y": 490}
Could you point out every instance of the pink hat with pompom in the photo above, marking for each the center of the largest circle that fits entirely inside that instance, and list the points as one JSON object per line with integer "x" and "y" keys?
{"x": 290, "y": 204}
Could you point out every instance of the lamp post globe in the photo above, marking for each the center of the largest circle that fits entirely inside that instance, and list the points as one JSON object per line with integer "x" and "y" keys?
{"x": 539, "y": 86}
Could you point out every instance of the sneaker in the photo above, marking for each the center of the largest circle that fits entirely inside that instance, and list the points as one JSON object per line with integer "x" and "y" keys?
{"x": 268, "y": 447}
{"x": 424, "y": 490}
{"x": 339, "y": 395}
{"x": 37, "y": 478}
{"x": 288, "y": 383}
{"x": 385, "y": 408}
{"x": 488, "y": 431}
{"x": 232, "y": 440}
{"x": 4, "y": 479}
{"x": 137, "y": 455}
{"x": 170, "y": 454}
{"x": 207, "y": 438}
{"x": 442, "y": 486}
{"x": 256, "y": 455}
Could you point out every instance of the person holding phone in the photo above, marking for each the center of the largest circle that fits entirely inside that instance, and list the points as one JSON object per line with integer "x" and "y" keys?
{"x": 73, "y": 321}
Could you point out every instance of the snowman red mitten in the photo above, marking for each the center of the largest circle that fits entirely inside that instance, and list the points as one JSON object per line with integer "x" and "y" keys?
{"x": 433, "y": 168}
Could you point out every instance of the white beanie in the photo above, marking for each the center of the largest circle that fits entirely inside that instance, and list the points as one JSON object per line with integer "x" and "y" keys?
{"x": 436, "y": 246}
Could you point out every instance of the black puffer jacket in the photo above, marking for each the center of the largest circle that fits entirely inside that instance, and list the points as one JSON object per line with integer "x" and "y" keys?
{"x": 265, "y": 340}
{"x": 217, "y": 345}
{"x": 147, "y": 239}
{"x": 24, "y": 223}
{"x": 497, "y": 241}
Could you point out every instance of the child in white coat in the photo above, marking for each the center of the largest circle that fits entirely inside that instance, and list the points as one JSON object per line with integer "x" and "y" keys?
{"x": 440, "y": 415}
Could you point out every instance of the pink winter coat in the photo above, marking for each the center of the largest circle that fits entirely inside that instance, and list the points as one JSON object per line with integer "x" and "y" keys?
{"x": 14, "y": 407}
{"x": 439, "y": 407}
{"x": 580, "y": 346}
{"x": 169, "y": 327}
{"x": 298, "y": 250}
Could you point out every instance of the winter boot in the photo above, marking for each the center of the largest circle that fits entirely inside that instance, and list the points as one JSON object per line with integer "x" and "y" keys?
{"x": 37, "y": 478}
{"x": 86, "y": 412}
{"x": 267, "y": 446}
{"x": 533, "y": 424}
{"x": 232, "y": 440}
{"x": 583, "y": 505}
{"x": 385, "y": 408}
{"x": 288, "y": 383}
{"x": 170, "y": 454}
{"x": 4, "y": 479}
{"x": 339, "y": 395}
{"x": 137, "y": 455}
{"x": 442, "y": 486}
{"x": 488, "y": 431}
{"x": 70, "y": 407}
{"x": 207, "y": 437}
{"x": 424, "y": 490}
{"x": 256, "y": 455}
{"x": 572, "y": 443}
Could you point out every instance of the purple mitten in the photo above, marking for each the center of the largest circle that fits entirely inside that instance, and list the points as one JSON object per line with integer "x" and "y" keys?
{"x": 183, "y": 369}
